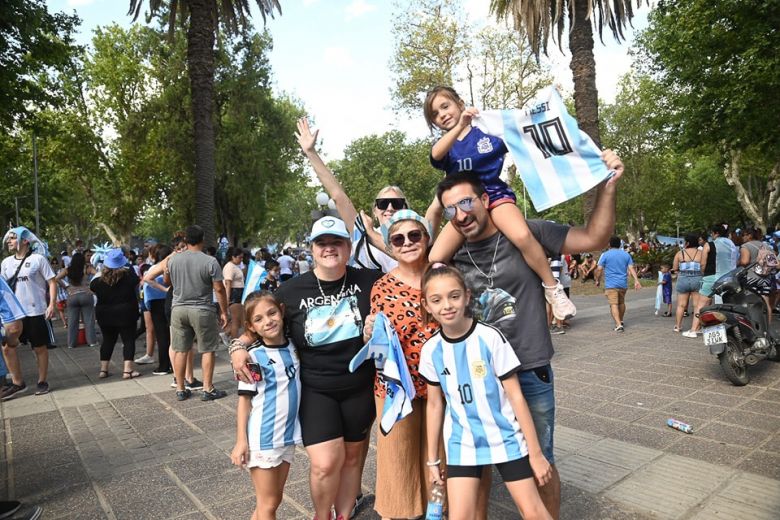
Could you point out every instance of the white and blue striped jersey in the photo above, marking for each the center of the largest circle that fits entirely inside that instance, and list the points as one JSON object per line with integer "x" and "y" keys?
{"x": 273, "y": 421}
{"x": 10, "y": 308}
{"x": 480, "y": 426}
{"x": 556, "y": 160}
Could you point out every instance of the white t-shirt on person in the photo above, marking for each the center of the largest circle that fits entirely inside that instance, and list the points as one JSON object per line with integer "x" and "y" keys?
{"x": 31, "y": 283}
{"x": 286, "y": 264}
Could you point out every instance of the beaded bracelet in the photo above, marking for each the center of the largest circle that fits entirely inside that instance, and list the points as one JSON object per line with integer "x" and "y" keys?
{"x": 235, "y": 345}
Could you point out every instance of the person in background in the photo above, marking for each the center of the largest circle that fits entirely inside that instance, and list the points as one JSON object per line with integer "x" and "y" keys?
{"x": 303, "y": 264}
{"x": 271, "y": 283}
{"x": 30, "y": 276}
{"x": 155, "y": 292}
{"x": 688, "y": 263}
{"x": 286, "y": 265}
{"x": 117, "y": 310}
{"x": 234, "y": 286}
{"x": 616, "y": 265}
{"x": 587, "y": 268}
{"x": 195, "y": 278}
{"x": 748, "y": 254}
{"x": 81, "y": 301}
{"x": 666, "y": 289}
{"x": 726, "y": 256}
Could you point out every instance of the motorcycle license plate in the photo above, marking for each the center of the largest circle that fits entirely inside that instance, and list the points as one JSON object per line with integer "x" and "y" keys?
{"x": 715, "y": 335}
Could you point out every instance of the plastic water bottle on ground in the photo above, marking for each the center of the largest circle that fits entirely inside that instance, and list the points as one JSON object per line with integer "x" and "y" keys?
{"x": 679, "y": 425}
{"x": 435, "y": 503}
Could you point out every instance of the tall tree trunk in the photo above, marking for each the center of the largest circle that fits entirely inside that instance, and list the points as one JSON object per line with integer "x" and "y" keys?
{"x": 586, "y": 96}
{"x": 200, "y": 60}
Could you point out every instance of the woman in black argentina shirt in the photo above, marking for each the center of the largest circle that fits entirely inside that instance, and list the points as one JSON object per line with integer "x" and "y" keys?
{"x": 325, "y": 310}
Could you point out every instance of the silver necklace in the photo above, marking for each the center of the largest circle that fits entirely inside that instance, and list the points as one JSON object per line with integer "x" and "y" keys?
{"x": 331, "y": 320}
{"x": 489, "y": 276}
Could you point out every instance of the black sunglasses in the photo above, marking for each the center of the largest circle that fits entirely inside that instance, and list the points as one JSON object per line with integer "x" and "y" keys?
{"x": 398, "y": 203}
{"x": 399, "y": 239}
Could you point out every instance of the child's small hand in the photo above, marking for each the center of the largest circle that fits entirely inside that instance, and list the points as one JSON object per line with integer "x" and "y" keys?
{"x": 240, "y": 455}
{"x": 541, "y": 468}
{"x": 466, "y": 116}
{"x": 435, "y": 475}
{"x": 368, "y": 327}
{"x": 613, "y": 163}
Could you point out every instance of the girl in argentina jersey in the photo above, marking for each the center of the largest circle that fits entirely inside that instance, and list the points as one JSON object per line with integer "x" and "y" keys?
{"x": 267, "y": 418}
{"x": 463, "y": 148}
{"x": 470, "y": 366}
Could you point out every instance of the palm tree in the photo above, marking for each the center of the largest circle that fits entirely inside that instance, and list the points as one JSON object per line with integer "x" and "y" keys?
{"x": 538, "y": 18}
{"x": 203, "y": 18}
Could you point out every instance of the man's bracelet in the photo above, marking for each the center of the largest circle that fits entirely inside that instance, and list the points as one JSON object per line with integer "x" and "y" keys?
{"x": 236, "y": 344}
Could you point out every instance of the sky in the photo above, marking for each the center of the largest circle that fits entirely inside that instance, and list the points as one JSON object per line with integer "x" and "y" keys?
{"x": 334, "y": 56}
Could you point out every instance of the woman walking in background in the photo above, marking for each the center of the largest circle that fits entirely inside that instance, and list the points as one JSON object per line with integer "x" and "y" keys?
{"x": 116, "y": 310}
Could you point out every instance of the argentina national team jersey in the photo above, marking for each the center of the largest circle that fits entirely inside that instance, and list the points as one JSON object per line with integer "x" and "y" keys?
{"x": 480, "y": 426}
{"x": 10, "y": 308}
{"x": 273, "y": 421}
{"x": 556, "y": 160}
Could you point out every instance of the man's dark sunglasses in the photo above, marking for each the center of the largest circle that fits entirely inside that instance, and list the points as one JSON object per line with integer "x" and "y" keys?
{"x": 398, "y": 203}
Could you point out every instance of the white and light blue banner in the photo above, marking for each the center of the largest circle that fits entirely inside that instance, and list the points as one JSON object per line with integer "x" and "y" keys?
{"x": 255, "y": 276}
{"x": 555, "y": 159}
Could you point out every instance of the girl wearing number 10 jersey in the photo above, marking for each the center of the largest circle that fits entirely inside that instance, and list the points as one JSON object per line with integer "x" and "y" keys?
{"x": 466, "y": 148}
{"x": 471, "y": 367}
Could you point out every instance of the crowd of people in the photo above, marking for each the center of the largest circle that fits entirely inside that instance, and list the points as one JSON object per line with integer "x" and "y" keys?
{"x": 469, "y": 311}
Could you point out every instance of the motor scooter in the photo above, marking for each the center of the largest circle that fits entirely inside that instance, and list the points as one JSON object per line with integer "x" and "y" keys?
{"x": 738, "y": 331}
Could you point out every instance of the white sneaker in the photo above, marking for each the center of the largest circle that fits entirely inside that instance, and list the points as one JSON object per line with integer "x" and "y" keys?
{"x": 689, "y": 334}
{"x": 145, "y": 360}
{"x": 562, "y": 306}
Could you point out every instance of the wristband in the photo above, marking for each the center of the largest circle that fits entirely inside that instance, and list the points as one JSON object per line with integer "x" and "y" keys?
{"x": 433, "y": 463}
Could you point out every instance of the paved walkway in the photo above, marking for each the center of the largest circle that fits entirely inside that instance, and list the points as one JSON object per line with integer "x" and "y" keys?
{"x": 126, "y": 449}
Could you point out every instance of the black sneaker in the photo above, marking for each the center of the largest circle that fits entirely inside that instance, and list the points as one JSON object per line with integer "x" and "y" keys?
{"x": 213, "y": 395}
{"x": 42, "y": 388}
{"x": 8, "y": 508}
{"x": 194, "y": 384}
{"x": 619, "y": 328}
{"x": 161, "y": 372}
{"x": 555, "y": 329}
{"x": 183, "y": 395}
{"x": 358, "y": 504}
{"x": 12, "y": 391}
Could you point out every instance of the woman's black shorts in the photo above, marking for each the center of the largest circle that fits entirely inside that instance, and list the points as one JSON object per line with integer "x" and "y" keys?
{"x": 235, "y": 295}
{"x": 329, "y": 414}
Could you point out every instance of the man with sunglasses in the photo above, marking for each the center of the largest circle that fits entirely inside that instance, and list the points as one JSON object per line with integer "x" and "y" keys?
{"x": 499, "y": 277}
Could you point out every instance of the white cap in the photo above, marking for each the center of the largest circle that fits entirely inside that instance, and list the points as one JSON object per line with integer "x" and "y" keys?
{"x": 329, "y": 226}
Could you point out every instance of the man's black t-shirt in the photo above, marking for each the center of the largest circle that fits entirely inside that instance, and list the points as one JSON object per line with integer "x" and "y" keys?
{"x": 329, "y": 331}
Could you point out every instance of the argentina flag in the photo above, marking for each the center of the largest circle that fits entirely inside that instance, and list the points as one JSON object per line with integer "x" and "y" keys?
{"x": 555, "y": 159}
{"x": 255, "y": 276}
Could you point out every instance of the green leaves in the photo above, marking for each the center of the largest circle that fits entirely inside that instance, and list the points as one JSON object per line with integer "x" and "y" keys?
{"x": 35, "y": 46}
{"x": 373, "y": 162}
